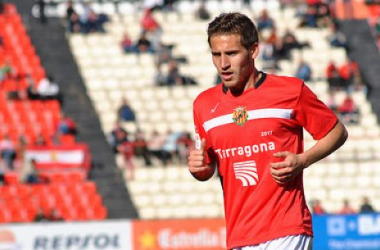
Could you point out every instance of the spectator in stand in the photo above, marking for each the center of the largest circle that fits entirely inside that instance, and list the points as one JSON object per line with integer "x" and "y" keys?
{"x": 141, "y": 147}
{"x": 155, "y": 146}
{"x": 41, "y": 7}
{"x": 90, "y": 21}
{"x": 117, "y": 136}
{"x": 125, "y": 112}
{"x": 202, "y": 12}
{"x": 290, "y": 41}
{"x": 31, "y": 174}
{"x": 174, "y": 76}
{"x": 5, "y": 71}
{"x": 317, "y": 207}
{"x": 347, "y": 73}
{"x": 40, "y": 140}
{"x": 125, "y": 148}
{"x": 333, "y": 78}
{"x": 48, "y": 89}
{"x": 304, "y": 71}
{"x": 264, "y": 21}
{"x": 40, "y": 216}
{"x": 126, "y": 43}
{"x": 366, "y": 206}
{"x": 309, "y": 19}
{"x": 336, "y": 38}
{"x": 143, "y": 45}
{"x": 348, "y": 110}
{"x": 54, "y": 215}
{"x": 150, "y": 26}
{"x": 184, "y": 144}
{"x": 347, "y": 209}
{"x": 8, "y": 151}
{"x": 66, "y": 126}
{"x": 160, "y": 78}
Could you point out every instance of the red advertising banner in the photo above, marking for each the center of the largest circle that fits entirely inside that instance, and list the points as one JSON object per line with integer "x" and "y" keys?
{"x": 179, "y": 234}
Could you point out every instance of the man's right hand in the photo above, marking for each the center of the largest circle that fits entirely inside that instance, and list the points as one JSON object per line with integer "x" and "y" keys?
{"x": 197, "y": 166}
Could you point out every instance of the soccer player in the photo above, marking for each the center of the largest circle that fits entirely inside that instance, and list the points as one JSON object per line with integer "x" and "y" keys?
{"x": 250, "y": 127}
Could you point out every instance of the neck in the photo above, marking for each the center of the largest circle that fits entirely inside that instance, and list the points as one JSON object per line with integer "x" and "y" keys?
{"x": 256, "y": 77}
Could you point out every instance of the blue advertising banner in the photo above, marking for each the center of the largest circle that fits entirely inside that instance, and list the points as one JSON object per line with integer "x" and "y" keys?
{"x": 347, "y": 232}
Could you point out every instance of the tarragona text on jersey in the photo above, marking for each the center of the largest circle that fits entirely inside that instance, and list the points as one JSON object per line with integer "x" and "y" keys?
{"x": 242, "y": 134}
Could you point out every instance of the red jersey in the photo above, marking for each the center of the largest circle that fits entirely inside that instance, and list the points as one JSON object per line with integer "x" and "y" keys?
{"x": 242, "y": 134}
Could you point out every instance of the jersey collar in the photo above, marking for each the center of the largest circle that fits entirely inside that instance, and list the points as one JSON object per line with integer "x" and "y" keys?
{"x": 257, "y": 84}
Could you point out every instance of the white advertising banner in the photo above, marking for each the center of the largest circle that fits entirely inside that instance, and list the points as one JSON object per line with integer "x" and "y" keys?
{"x": 107, "y": 235}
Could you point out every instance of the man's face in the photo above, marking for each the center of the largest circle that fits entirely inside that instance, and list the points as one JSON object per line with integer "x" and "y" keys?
{"x": 235, "y": 64}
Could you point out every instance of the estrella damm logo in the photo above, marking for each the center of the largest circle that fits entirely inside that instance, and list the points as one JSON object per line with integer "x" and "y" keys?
{"x": 240, "y": 116}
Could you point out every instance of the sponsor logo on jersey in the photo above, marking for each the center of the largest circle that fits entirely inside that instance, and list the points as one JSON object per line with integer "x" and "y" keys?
{"x": 246, "y": 172}
{"x": 240, "y": 116}
{"x": 246, "y": 150}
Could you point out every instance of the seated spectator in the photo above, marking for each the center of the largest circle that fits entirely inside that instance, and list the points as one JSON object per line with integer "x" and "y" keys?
{"x": 150, "y": 26}
{"x": 8, "y": 151}
{"x": 184, "y": 144}
{"x": 155, "y": 146}
{"x": 348, "y": 110}
{"x": 336, "y": 38}
{"x": 66, "y": 126}
{"x": 5, "y": 72}
{"x": 126, "y": 43}
{"x": 40, "y": 216}
{"x": 141, "y": 147}
{"x": 125, "y": 148}
{"x": 143, "y": 45}
{"x": 317, "y": 207}
{"x": 125, "y": 112}
{"x": 174, "y": 77}
{"x": 72, "y": 18}
{"x": 48, "y": 89}
{"x": 90, "y": 21}
{"x": 117, "y": 136}
{"x": 309, "y": 19}
{"x": 333, "y": 78}
{"x": 264, "y": 21}
{"x": 290, "y": 41}
{"x": 304, "y": 71}
{"x": 346, "y": 73}
{"x": 202, "y": 12}
{"x": 148, "y": 22}
{"x": 159, "y": 78}
{"x": 31, "y": 173}
{"x": 366, "y": 206}
{"x": 40, "y": 140}
{"x": 54, "y": 215}
{"x": 347, "y": 209}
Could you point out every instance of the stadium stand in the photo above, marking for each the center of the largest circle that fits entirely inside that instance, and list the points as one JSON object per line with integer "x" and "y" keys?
{"x": 169, "y": 192}
{"x": 62, "y": 187}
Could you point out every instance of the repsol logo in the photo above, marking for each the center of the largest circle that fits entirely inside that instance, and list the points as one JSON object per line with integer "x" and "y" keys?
{"x": 247, "y": 150}
{"x": 100, "y": 241}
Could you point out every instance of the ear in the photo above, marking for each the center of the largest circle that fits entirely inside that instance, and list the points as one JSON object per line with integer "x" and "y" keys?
{"x": 254, "y": 50}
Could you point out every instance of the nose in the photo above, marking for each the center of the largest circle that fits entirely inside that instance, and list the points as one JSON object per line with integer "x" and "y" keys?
{"x": 225, "y": 62}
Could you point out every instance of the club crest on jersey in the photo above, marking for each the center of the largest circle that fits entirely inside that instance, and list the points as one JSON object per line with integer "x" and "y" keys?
{"x": 240, "y": 116}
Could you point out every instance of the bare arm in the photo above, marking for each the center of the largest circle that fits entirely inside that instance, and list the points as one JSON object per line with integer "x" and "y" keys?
{"x": 197, "y": 166}
{"x": 293, "y": 164}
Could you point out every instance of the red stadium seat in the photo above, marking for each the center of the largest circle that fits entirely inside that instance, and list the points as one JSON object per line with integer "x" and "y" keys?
{"x": 11, "y": 178}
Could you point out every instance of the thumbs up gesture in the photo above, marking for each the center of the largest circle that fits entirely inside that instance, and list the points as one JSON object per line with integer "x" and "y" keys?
{"x": 197, "y": 166}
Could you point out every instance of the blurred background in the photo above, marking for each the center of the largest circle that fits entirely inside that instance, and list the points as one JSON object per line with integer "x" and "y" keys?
{"x": 96, "y": 119}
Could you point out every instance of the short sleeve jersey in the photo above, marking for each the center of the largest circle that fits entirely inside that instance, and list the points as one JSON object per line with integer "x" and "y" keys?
{"x": 242, "y": 134}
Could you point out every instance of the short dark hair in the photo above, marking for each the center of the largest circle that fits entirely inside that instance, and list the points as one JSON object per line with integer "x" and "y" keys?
{"x": 234, "y": 23}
